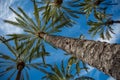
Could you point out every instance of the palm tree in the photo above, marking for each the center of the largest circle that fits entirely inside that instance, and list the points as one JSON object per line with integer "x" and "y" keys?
{"x": 51, "y": 9}
{"x": 20, "y": 61}
{"x": 102, "y": 27}
{"x": 64, "y": 72}
{"x": 103, "y": 23}
{"x": 32, "y": 28}
{"x": 102, "y": 55}
{"x": 94, "y": 6}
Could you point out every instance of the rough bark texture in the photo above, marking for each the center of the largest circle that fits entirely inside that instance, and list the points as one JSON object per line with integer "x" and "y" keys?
{"x": 101, "y": 55}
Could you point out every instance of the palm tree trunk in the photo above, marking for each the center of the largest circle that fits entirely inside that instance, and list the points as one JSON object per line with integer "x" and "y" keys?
{"x": 18, "y": 74}
{"x": 101, "y": 55}
{"x": 20, "y": 67}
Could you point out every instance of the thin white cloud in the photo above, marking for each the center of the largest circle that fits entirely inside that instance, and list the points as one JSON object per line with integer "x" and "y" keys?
{"x": 4, "y": 8}
{"x": 9, "y": 29}
{"x": 5, "y": 13}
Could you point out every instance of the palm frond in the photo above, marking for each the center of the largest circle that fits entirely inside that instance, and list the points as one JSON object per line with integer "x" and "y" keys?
{"x": 36, "y": 13}
{"x": 2, "y": 73}
{"x": 19, "y": 36}
{"x": 6, "y": 57}
{"x": 10, "y": 48}
{"x": 62, "y": 72}
{"x": 57, "y": 71}
{"x": 29, "y": 22}
{"x": 11, "y": 75}
{"x": 13, "y": 23}
{"x": 17, "y": 14}
{"x": 102, "y": 28}
{"x": 58, "y": 27}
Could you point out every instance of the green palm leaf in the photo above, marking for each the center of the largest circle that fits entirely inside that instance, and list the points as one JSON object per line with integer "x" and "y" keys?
{"x": 13, "y": 23}
{"x": 101, "y": 27}
{"x": 9, "y": 78}
{"x": 8, "y": 46}
{"x": 16, "y": 13}
{"x": 2, "y": 73}
{"x": 52, "y": 10}
{"x": 19, "y": 36}
{"x": 6, "y": 57}
{"x": 36, "y": 13}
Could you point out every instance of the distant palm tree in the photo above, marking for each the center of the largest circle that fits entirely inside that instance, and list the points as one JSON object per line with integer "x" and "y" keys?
{"x": 51, "y": 9}
{"x": 63, "y": 71}
{"x": 94, "y": 6}
{"x": 102, "y": 27}
{"x": 19, "y": 62}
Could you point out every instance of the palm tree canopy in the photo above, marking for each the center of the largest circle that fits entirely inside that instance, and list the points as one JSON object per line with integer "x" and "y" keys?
{"x": 52, "y": 9}
{"x": 32, "y": 27}
{"x": 64, "y": 72}
{"x": 94, "y": 6}
{"x": 22, "y": 57}
{"x": 102, "y": 27}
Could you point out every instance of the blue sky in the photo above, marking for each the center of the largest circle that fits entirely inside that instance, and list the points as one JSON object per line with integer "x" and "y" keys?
{"x": 75, "y": 31}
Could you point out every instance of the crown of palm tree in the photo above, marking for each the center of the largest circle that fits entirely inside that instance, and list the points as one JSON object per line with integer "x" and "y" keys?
{"x": 32, "y": 27}
{"x": 103, "y": 23}
{"x": 94, "y": 6}
{"x": 64, "y": 72}
{"x": 20, "y": 60}
{"x": 102, "y": 27}
{"x": 52, "y": 9}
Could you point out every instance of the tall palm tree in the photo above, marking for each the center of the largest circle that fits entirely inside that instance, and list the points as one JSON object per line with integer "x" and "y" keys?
{"x": 102, "y": 55}
{"x": 63, "y": 71}
{"x": 102, "y": 27}
{"x": 51, "y": 9}
{"x": 19, "y": 62}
